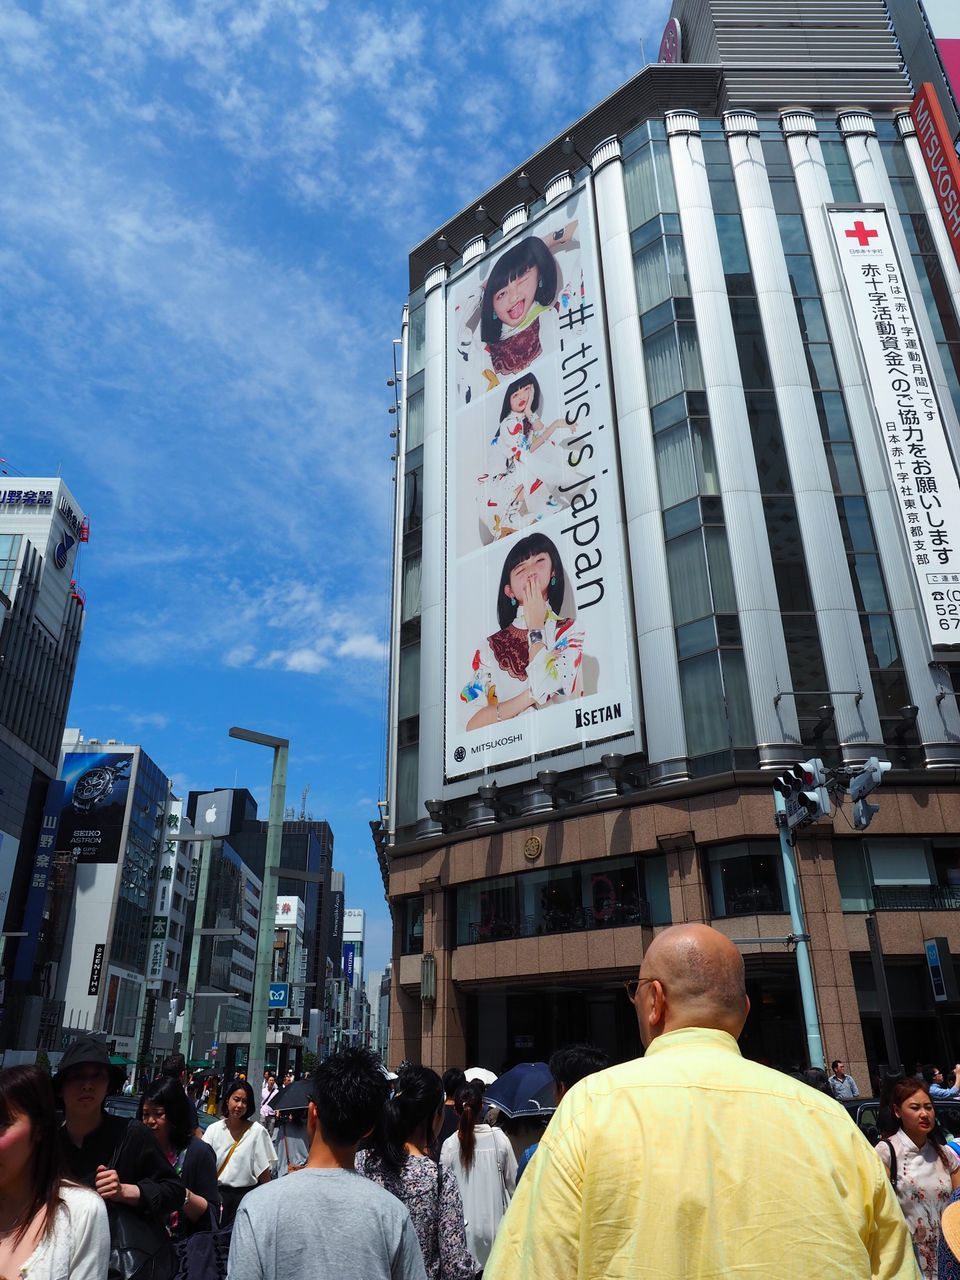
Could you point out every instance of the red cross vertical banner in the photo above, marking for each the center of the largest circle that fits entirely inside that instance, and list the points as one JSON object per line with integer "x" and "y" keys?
{"x": 921, "y": 473}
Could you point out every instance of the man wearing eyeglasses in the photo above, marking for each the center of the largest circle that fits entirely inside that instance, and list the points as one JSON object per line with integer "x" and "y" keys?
{"x": 693, "y": 1163}
{"x": 842, "y": 1085}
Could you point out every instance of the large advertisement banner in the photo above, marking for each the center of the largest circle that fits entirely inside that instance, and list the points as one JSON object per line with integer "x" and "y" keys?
{"x": 537, "y": 640}
{"x": 922, "y": 473}
{"x": 94, "y": 803}
{"x": 943, "y": 18}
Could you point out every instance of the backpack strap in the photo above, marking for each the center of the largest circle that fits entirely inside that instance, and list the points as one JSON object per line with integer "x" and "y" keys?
{"x": 893, "y": 1162}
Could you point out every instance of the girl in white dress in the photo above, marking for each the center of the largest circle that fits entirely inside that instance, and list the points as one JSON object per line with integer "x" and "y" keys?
{"x": 534, "y": 659}
{"x": 528, "y": 473}
{"x": 50, "y": 1229}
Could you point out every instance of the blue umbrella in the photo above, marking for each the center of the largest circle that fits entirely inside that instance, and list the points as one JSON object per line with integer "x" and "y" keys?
{"x": 524, "y": 1090}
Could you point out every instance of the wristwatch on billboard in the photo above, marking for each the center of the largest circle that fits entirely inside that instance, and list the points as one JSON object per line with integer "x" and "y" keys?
{"x": 94, "y": 786}
{"x": 535, "y": 636}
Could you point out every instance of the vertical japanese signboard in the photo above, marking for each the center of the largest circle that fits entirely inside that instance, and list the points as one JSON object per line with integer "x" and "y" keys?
{"x": 538, "y": 649}
{"x": 39, "y": 880}
{"x": 940, "y": 159}
{"x": 923, "y": 477}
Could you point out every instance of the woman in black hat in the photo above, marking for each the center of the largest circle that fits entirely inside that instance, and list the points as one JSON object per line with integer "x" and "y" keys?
{"x": 118, "y": 1158}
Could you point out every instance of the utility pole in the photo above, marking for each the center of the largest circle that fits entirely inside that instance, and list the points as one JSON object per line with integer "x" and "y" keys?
{"x": 263, "y": 972}
{"x": 190, "y": 1000}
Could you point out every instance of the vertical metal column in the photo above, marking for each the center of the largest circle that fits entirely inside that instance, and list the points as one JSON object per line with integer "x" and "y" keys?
{"x": 808, "y": 994}
{"x": 883, "y": 993}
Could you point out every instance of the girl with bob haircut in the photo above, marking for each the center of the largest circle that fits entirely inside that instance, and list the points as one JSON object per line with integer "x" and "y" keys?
{"x": 534, "y": 659}
{"x": 529, "y": 466}
{"x": 165, "y": 1111}
{"x": 511, "y": 310}
{"x": 244, "y": 1154}
{"x": 50, "y": 1228}
{"x": 482, "y": 1161}
{"x": 924, "y": 1171}
{"x": 400, "y": 1162}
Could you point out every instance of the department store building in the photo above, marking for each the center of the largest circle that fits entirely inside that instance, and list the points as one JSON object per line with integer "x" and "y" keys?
{"x": 722, "y": 422}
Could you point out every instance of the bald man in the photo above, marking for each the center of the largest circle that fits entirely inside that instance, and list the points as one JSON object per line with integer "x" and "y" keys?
{"x": 695, "y": 1164}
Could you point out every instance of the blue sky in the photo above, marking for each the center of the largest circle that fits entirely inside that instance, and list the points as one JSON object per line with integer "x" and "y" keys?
{"x": 205, "y": 214}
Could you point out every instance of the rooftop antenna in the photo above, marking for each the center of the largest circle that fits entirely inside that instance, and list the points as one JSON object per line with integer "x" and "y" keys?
{"x": 303, "y": 802}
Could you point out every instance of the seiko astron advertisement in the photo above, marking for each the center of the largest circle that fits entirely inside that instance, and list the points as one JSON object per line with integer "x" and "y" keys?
{"x": 94, "y": 802}
{"x": 536, "y": 624}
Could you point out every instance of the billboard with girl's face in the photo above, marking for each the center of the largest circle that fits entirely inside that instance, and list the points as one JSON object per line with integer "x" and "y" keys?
{"x": 538, "y": 653}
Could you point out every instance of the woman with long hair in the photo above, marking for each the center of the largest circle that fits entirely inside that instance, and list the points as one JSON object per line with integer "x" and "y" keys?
{"x": 399, "y": 1160}
{"x": 50, "y": 1228}
{"x": 165, "y": 1110}
{"x": 244, "y": 1154}
{"x": 481, "y": 1159}
{"x": 924, "y": 1171}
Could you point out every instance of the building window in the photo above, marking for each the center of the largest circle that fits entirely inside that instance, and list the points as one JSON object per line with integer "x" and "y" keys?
{"x": 746, "y": 879}
{"x": 416, "y": 339}
{"x": 9, "y": 553}
{"x": 580, "y": 896}
{"x": 648, "y": 181}
{"x": 413, "y": 491}
{"x": 128, "y": 1005}
{"x": 408, "y": 761}
{"x": 410, "y": 597}
{"x": 411, "y": 936}
{"x": 408, "y": 693}
{"x": 414, "y": 436}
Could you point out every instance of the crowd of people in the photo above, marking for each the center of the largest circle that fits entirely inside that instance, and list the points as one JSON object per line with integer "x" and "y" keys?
{"x": 688, "y": 1162}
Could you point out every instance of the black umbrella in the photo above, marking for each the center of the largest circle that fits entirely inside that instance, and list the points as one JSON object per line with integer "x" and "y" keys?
{"x": 294, "y": 1097}
{"x": 524, "y": 1090}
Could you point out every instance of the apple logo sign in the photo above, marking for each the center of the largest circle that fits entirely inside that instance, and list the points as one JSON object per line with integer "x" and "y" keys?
{"x": 211, "y": 814}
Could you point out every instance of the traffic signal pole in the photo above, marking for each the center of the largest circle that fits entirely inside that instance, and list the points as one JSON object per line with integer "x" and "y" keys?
{"x": 808, "y": 995}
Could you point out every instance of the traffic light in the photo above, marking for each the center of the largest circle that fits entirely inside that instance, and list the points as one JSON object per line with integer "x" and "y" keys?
{"x": 860, "y": 786}
{"x": 804, "y": 791}
{"x": 815, "y": 797}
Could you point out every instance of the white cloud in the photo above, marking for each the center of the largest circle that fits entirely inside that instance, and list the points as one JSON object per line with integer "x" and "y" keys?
{"x": 148, "y": 719}
{"x": 239, "y": 656}
{"x": 363, "y": 646}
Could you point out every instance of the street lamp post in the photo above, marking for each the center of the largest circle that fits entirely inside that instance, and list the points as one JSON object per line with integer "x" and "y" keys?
{"x": 263, "y": 972}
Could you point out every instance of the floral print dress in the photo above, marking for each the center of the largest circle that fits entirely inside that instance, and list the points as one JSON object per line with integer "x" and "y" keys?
{"x": 432, "y": 1196}
{"x": 923, "y": 1189}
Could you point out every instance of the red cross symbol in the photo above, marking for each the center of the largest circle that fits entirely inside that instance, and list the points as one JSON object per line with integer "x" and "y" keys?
{"x": 861, "y": 234}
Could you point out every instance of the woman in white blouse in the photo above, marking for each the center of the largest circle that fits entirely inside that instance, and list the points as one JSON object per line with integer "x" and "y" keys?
{"x": 481, "y": 1159}
{"x": 245, "y": 1155}
{"x": 50, "y": 1229}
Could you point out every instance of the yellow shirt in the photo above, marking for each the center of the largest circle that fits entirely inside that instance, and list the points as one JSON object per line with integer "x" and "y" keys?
{"x": 695, "y": 1164}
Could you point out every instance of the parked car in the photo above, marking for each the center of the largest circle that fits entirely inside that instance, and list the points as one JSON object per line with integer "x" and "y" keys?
{"x": 126, "y": 1105}
{"x": 863, "y": 1112}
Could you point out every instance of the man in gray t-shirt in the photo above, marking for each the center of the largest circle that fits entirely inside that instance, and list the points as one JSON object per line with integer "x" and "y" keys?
{"x": 325, "y": 1220}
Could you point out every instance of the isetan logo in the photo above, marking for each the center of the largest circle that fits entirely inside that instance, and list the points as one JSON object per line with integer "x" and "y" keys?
{"x": 939, "y": 157}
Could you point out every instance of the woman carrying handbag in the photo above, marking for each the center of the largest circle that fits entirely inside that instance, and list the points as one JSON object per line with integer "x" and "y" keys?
{"x": 244, "y": 1153}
